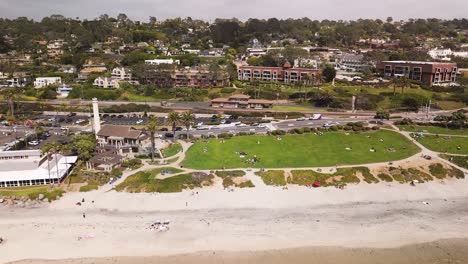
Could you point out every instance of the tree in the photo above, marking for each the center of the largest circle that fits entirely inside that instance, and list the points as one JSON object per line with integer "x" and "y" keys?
{"x": 187, "y": 119}
{"x": 329, "y": 73}
{"x": 173, "y": 118}
{"x": 84, "y": 144}
{"x": 382, "y": 115}
{"x": 11, "y": 94}
{"x": 152, "y": 127}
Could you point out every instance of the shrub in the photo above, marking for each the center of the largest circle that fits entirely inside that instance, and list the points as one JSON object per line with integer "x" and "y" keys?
{"x": 225, "y": 135}
{"x": 385, "y": 177}
{"x": 278, "y": 132}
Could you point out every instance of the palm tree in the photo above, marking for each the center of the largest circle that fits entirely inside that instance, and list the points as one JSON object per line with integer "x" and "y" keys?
{"x": 55, "y": 147}
{"x": 10, "y": 95}
{"x": 152, "y": 128}
{"x": 187, "y": 119}
{"x": 64, "y": 150}
{"x": 173, "y": 118}
{"x": 46, "y": 151}
{"x": 395, "y": 82}
{"x": 404, "y": 82}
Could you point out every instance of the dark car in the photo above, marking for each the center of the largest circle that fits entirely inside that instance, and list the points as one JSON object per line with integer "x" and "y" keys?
{"x": 163, "y": 129}
{"x": 169, "y": 135}
{"x": 71, "y": 114}
{"x": 178, "y": 129}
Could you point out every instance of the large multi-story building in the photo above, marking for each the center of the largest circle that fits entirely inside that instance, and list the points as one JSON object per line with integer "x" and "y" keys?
{"x": 121, "y": 74}
{"x": 107, "y": 83}
{"x": 430, "y": 73}
{"x": 241, "y": 101}
{"x": 186, "y": 78}
{"x": 285, "y": 74}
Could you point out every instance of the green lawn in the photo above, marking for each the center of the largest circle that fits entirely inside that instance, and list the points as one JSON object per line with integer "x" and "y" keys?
{"x": 172, "y": 150}
{"x": 445, "y": 144}
{"x": 299, "y": 150}
{"x": 461, "y": 161}
{"x": 434, "y": 130}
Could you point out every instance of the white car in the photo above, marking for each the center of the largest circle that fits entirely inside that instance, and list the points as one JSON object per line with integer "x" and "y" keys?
{"x": 241, "y": 125}
{"x": 33, "y": 143}
{"x": 202, "y": 128}
{"x": 300, "y": 119}
{"x": 222, "y": 121}
{"x": 328, "y": 125}
{"x": 139, "y": 121}
{"x": 51, "y": 119}
{"x": 79, "y": 121}
{"x": 261, "y": 125}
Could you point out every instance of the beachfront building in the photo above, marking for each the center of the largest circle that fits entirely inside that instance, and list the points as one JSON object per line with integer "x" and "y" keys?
{"x": 41, "y": 82}
{"x": 429, "y": 73}
{"x": 105, "y": 159}
{"x": 187, "y": 77}
{"x": 122, "y": 138}
{"x": 286, "y": 74}
{"x": 241, "y": 101}
{"x": 29, "y": 167}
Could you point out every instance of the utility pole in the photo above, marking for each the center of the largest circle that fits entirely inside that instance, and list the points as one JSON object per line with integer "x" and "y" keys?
{"x": 428, "y": 110}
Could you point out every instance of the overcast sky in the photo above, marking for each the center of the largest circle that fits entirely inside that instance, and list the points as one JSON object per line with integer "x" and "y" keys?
{"x": 242, "y": 9}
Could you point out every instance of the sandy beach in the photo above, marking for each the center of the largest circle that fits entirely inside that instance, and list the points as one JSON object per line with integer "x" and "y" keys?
{"x": 258, "y": 225}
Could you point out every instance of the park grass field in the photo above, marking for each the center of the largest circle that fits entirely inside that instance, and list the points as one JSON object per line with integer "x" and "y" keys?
{"x": 299, "y": 151}
{"x": 172, "y": 150}
{"x": 445, "y": 144}
{"x": 434, "y": 130}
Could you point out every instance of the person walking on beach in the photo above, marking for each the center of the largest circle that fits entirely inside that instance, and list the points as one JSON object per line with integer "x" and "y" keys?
{"x": 84, "y": 215}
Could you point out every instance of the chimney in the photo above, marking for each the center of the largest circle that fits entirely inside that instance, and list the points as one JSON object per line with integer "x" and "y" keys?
{"x": 97, "y": 119}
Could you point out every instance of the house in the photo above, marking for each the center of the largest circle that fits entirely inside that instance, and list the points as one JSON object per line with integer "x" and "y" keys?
{"x": 121, "y": 74}
{"x": 286, "y": 74}
{"x": 55, "y": 48}
{"x": 107, "y": 83}
{"x": 241, "y": 101}
{"x": 440, "y": 54}
{"x": 161, "y": 61}
{"x": 349, "y": 62}
{"x": 122, "y": 138}
{"x": 41, "y": 82}
{"x": 63, "y": 90}
{"x": 104, "y": 160}
{"x": 29, "y": 167}
{"x": 429, "y": 73}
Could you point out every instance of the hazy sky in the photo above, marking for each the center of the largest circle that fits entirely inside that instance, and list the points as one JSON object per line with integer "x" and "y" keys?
{"x": 242, "y": 9}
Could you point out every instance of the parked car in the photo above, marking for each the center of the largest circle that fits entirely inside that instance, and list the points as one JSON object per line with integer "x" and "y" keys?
{"x": 327, "y": 125}
{"x": 300, "y": 119}
{"x": 178, "y": 129}
{"x": 34, "y": 143}
{"x": 140, "y": 122}
{"x": 163, "y": 129}
{"x": 71, "y": 114}
{"x": 241, "y": 125}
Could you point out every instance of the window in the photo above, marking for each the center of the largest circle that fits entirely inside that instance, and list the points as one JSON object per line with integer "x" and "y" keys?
{"x": 417, "y": 74}
{"x": 256, "y": 74}
{"x": 266, "y": 75}
{"x": 388, "y": 71}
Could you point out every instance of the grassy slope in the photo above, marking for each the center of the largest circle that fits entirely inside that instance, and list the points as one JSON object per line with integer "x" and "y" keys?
{"x": 445, "y": 144}
{"x": 172, "y": 150}
{"x": 300, "y": 150}
{"x": 434, "y": 130}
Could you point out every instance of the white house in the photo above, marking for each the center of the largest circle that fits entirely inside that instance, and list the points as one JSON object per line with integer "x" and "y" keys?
{"x": 45, "y": 81}
{"x": 121, "y": 74}
{"x": 440, "y": 54}
{"x": 104, "y": 82}
{"x": 161, "y": 61}
{"x": 63, "y": 90}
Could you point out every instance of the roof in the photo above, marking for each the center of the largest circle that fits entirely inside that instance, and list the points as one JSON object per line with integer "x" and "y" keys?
{"x": 243, "y": 96}
{"x": 108, "y": 158}
{"x": 419, "y": 62}
{"x": 220, "y": 100}
{"x": 119, "y": 131}
{"x": 93, "y": 69}
{"x": 42, "y": 172}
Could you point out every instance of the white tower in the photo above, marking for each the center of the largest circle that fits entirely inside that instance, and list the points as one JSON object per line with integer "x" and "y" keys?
{"x": 97, "y": 119}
